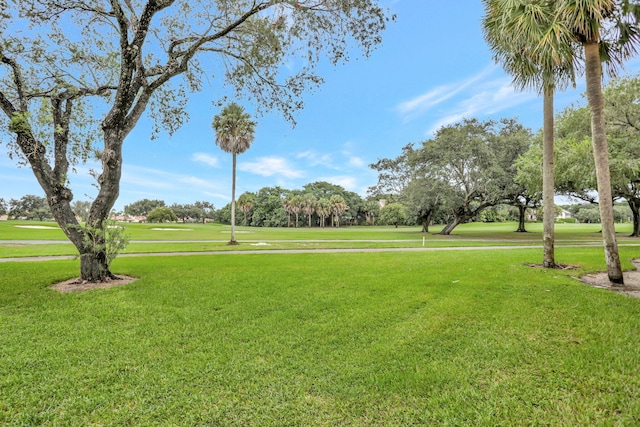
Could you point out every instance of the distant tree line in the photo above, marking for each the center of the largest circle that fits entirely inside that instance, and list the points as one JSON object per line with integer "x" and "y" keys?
{"x": 318, "y": 204}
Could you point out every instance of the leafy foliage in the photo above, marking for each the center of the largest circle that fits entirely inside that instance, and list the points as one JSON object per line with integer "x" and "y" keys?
{"x": 109, "y": 239}
{"x": 162, "y": 214}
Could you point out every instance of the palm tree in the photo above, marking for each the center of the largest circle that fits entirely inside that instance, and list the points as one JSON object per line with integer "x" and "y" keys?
{"x": 288, "y": 208}
{"x": 245, "y": 204}
{"x": 234, "y": 134}
{"x": 323, "y": 209}
{"x": 297, "y": 205}
{"x": 371, "y": 209}
{"x": 608, "y": 31}
{"x": 535, "y": 46}
{"x": 338, "y": 207}
{"x": 309, "y": 206}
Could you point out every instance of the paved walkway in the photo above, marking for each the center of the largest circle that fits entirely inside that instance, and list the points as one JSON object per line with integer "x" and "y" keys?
{"x": 281, "y": 251}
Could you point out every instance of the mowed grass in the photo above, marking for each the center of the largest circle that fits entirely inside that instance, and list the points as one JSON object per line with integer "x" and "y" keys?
{"x": 150, "y": 238}
{"x": 385, "y": 339}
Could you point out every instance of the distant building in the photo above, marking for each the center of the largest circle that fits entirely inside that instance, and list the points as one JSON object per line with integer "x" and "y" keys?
{"x": 564, "y": 214}
{"x": 129, "y": 218}
{"x": 4, "y": 217}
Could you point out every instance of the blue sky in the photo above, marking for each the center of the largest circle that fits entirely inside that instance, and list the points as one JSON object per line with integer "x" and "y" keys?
{"x": 432, "y": 69}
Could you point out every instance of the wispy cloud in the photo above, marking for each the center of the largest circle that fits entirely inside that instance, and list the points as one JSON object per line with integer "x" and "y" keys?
{"x": 485, "y": 93}
{"x": 415, "y": 107}
{"x": 488, "y": 98}
{"x": 270, "y": 166}
{"x": 317, "y": 159}
{"x": 141, "y": 177}
{"x": 205, "y": 158}
{"x": 357, "y": 162}
{"x": 348, "y": 182}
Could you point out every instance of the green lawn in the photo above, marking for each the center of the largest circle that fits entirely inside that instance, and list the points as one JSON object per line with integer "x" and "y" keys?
{"x": 148, "y": 238}
{"x": 384, "y": 339}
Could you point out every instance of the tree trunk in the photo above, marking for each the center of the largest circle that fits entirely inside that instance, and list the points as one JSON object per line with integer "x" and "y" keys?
{"x": 233, "y": 202}
{"x": 94, "y": 267}
{"x": 426, "y": 219}
{"x": 451, "y": 225}
{"x": 522, "y": 211}
{"x": 634, "y": 204}
{"x": 593, "y": 73}
{"x": 548, "y": 188}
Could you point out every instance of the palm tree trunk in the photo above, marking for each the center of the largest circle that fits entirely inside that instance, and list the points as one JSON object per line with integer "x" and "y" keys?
{"x": 593, "y": 73}
{"x": 233, "y": 202}
{"x": 548, "y": 188}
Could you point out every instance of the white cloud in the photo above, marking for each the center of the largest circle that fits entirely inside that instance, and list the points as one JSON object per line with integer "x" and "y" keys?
{"x": 316, "y": 159}
{"x": 270, "y": 166}
{"x": 205, "y": 158}
{"x": 137, "y": 177}
{"x": 419, "y": 105}
{"x": 488, "y": 98}
{"x": 347, "y": 182}
{"x": 356, "y": 162}
{"x": 218, "y": 195}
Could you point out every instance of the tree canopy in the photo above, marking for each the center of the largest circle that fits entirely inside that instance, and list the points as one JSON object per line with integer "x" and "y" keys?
{"x": 76, "y": 77}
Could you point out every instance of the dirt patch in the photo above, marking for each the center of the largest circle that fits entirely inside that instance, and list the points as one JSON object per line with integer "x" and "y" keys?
{"x": 631, "y": 285}
{"x": 557, "y": 267}
{"x": 77, "y": 285}
{"x": 601, "y": 280}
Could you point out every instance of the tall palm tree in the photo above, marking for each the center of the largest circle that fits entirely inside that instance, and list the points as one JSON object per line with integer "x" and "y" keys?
{"x": 309, "y": 206}
{"x": 323, "y": 209}
{"x": 338, "y": 207}
{"x": 297, "y": 205}
{"x": 535, "y": 46}
{"x": 234, "y": 134}
{"x": 608, "y": 31}
{"x": 287, "y": 204}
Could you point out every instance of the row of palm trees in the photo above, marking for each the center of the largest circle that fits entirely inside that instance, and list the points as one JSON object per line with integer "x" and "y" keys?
{"x": 545, "y": 44}
{"x": 306, "y": 204}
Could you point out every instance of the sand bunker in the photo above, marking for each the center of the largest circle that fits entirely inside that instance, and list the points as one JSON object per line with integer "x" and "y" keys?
{"x": 173, "y": 229}
{"x": 40, "y": 227}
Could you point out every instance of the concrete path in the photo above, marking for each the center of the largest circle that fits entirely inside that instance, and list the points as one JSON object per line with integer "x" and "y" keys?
{"x": 301, "y": 251}
{"x": 277, "y": 251}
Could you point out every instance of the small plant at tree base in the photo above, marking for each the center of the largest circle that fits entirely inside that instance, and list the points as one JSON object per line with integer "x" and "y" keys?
{"x": 109, "y": 239}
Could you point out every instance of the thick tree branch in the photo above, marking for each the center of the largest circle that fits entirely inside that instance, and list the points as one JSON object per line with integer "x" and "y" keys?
{"x": 17, "y": 81}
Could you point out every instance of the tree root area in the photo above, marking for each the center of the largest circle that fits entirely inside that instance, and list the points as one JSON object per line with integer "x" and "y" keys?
{"x": 600, "y": 280}
{"x": 631, "y": 285}
{"x": 78, "y": 285}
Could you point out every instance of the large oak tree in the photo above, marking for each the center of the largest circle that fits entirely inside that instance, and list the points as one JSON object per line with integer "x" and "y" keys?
{"x": 76, "y": 76}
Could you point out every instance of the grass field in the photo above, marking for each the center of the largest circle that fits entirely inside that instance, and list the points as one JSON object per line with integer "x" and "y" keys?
{"x": 149, "y": 238}
{"x": 385, "y": 339}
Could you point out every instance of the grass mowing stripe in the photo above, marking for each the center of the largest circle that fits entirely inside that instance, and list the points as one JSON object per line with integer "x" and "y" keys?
{"x": 321, "y": 339}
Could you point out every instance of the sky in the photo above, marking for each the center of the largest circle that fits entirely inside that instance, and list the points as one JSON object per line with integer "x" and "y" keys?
{"x": 432, "y": 69}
